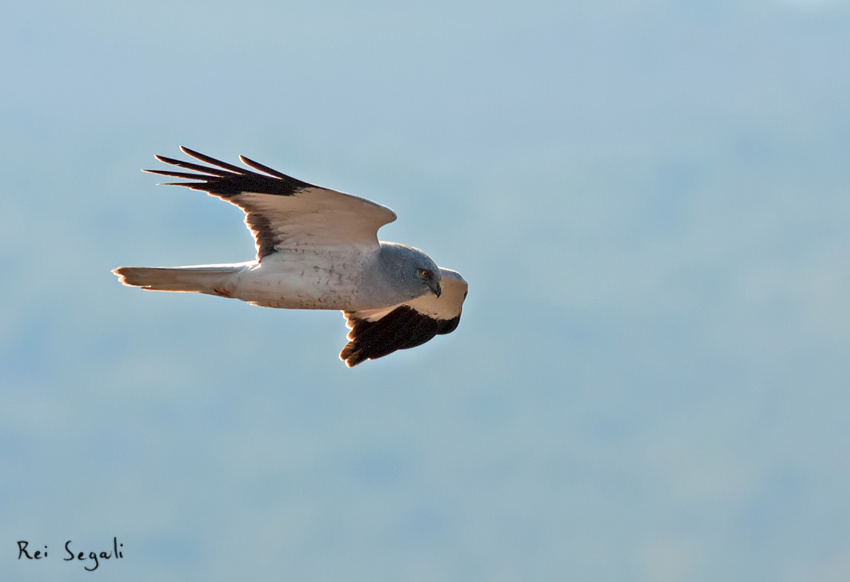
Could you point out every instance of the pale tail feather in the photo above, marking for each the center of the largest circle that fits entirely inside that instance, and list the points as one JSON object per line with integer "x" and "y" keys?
{"x": 201, "y": 279}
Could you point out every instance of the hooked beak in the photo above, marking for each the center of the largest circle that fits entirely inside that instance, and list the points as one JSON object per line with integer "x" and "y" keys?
{"x": 435, "y": 287}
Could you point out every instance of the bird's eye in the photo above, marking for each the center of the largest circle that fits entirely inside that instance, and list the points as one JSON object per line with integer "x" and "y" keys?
{"x": 423, "y": 273}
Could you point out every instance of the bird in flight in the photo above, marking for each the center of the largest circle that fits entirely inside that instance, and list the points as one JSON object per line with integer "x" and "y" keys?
{"x": 316, "y": 249}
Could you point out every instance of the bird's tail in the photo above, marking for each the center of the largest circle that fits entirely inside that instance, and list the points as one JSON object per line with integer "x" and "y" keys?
{"x": 210, "y": 279}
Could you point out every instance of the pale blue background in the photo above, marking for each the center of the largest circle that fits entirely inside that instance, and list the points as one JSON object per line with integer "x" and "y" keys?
{"x": 651, "y": 381}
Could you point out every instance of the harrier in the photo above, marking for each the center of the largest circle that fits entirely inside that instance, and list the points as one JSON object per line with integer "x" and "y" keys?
{"x": 316, "y": 249}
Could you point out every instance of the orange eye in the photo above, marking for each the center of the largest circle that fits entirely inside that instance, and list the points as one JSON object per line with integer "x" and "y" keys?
{"x": 423, "y": 273}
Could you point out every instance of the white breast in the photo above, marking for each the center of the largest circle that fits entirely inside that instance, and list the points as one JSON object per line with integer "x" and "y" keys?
{"x": 300, "y": 281}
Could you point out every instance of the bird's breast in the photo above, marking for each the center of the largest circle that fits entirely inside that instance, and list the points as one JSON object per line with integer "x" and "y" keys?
{"x": 301, "y": 281}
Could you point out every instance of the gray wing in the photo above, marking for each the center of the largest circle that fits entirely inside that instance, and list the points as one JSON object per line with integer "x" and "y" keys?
{"x": 284, "y": 213}
{"x": 376, "y": 333}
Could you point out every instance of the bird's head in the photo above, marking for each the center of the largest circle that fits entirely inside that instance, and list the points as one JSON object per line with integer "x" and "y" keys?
{"x": 412, "y": 271}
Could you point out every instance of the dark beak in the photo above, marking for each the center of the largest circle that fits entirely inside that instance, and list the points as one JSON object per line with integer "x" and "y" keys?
{"x": 435, "y": 287}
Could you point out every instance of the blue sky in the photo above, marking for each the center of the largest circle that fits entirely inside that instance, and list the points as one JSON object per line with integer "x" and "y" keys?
{"x": 649, "y": 201}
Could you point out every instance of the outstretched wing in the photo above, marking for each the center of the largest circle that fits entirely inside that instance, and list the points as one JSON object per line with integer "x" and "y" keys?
{"x": 376, "y": 333}
{"x": 284, "y": 213}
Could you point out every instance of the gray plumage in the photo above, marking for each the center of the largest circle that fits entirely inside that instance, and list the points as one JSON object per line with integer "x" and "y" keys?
{"x": 316, "y": 249}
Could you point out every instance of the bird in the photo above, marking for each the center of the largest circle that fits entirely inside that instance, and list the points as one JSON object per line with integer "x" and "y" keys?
{"x": 316, "y": 248}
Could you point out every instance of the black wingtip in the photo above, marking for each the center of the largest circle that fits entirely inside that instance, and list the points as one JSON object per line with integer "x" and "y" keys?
{"x": 207, "y": 171}
{"x": 401, "y": 329}
{"x": 210, "y": 160}
{"x": 191, "y": 152}
{"x": 263, "y": 168}
{"x": 351, "y": 355}
{"x": 227, "y": 180}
